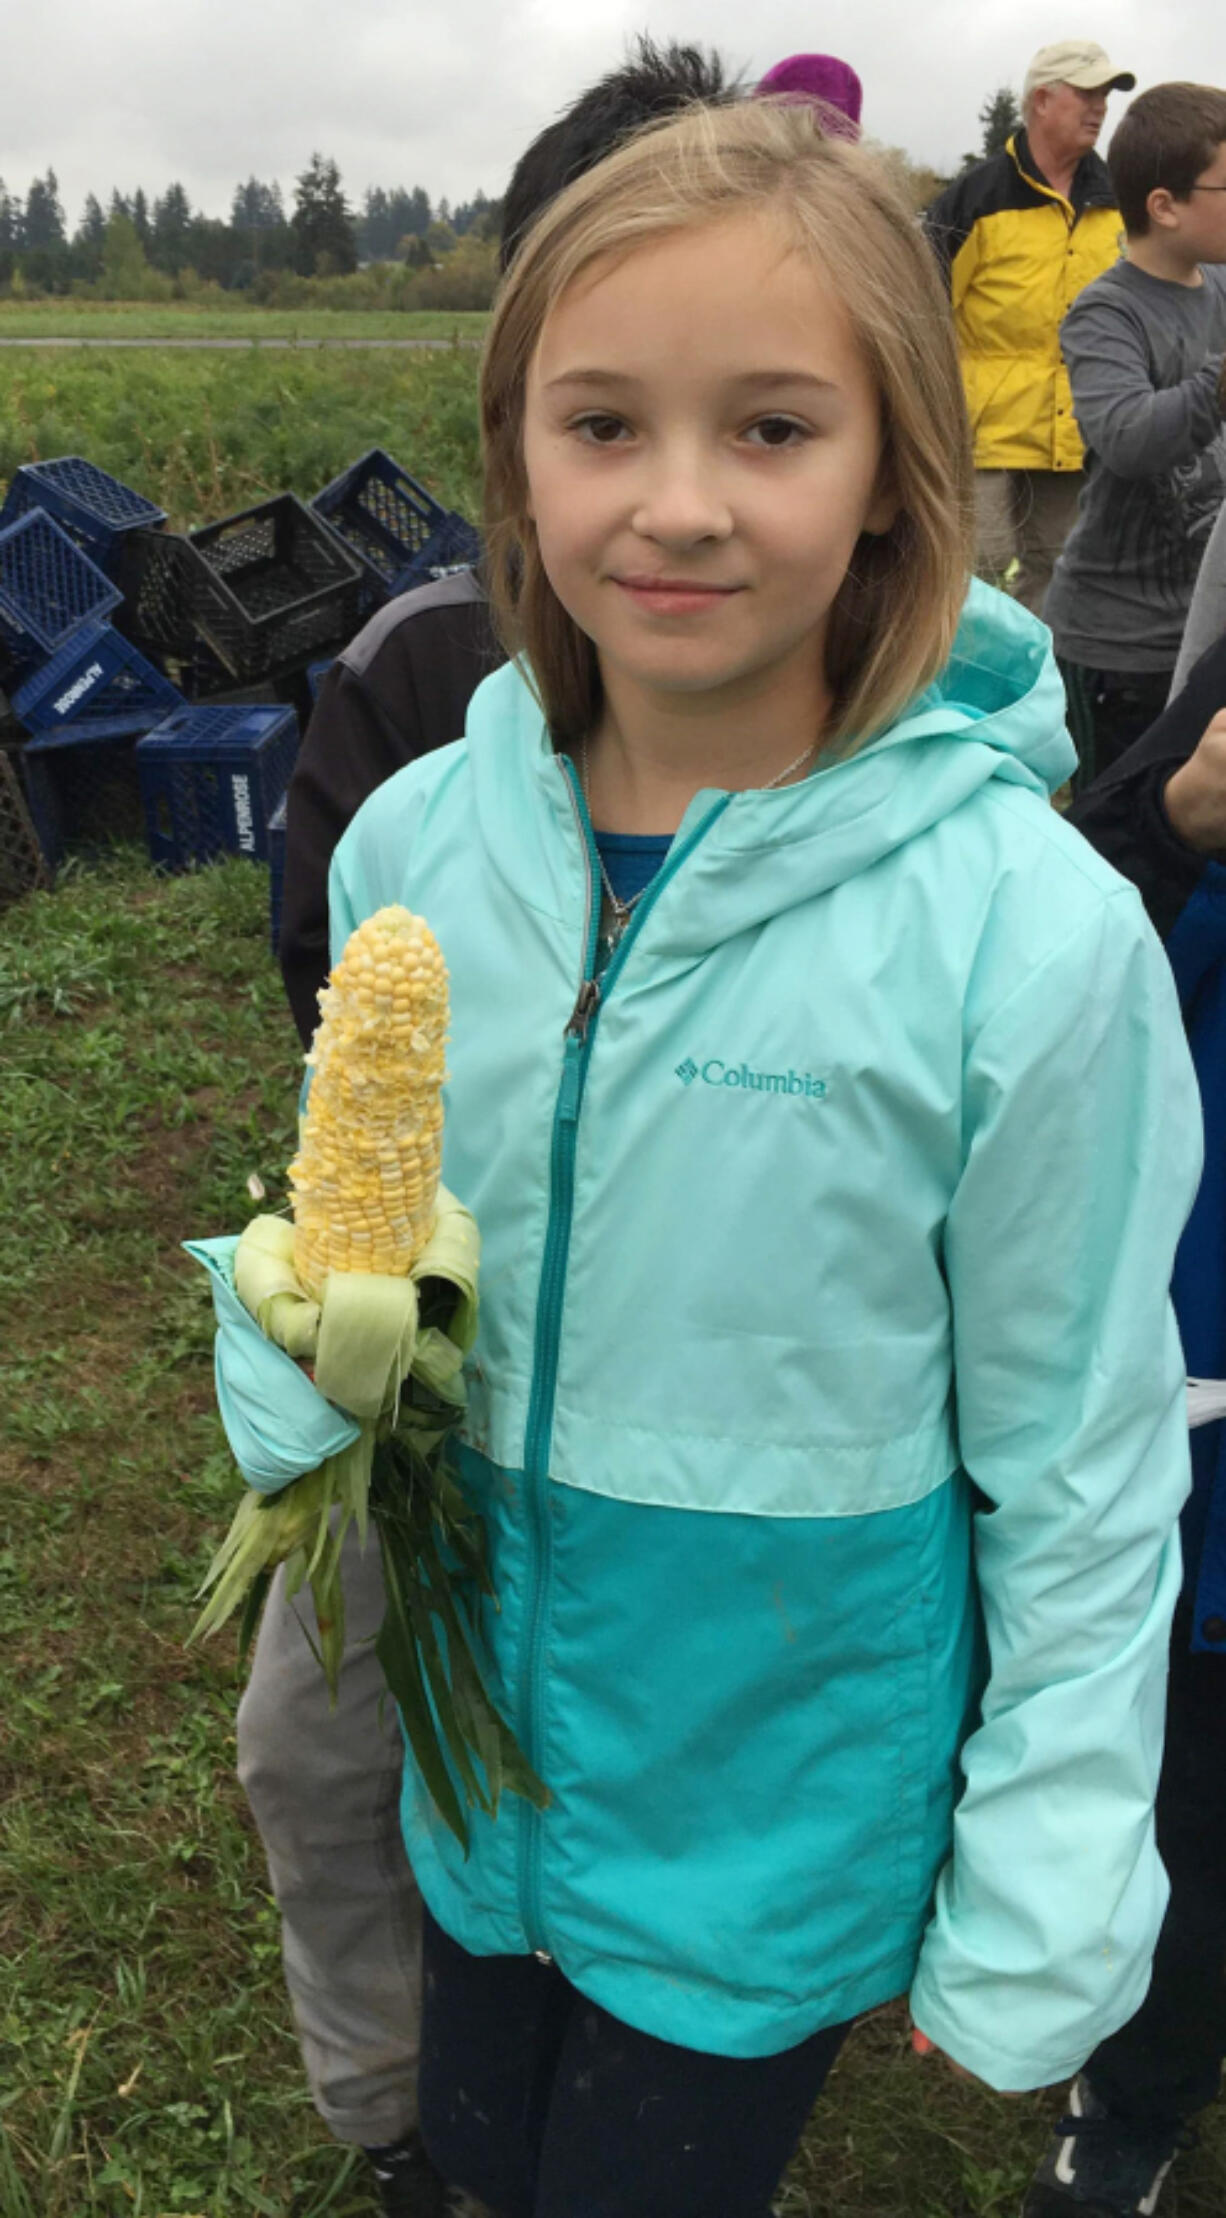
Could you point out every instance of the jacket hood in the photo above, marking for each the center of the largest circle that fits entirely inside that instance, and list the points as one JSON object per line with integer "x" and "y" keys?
{"x": 996, "y": 711}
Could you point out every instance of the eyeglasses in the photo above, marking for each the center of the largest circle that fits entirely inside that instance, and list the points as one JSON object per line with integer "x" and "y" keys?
{"x": 1207, "y": 188}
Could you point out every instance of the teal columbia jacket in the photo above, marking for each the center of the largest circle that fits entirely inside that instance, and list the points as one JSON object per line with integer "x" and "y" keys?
{"x": 827, "y": 1412}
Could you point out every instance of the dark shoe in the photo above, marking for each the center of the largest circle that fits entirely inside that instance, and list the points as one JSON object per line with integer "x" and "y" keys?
{"x": 1100, "y": 2166}
{"x": 407, "y": 2183}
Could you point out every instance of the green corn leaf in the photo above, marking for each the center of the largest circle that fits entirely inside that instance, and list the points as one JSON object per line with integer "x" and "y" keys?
{"x": 396, "y": 1650}
{"x": 257, "y": 1595}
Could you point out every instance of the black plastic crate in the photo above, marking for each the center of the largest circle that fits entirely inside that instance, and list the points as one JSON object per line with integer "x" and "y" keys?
{"x": 47, "y": 587}
{"x": 276, "y": 873}
{"x": 210, "y": 779}
{"x": 265, "y": 590}
{"x": 95, "y": 509}
{"x": 100, "y": 679}
{"x": 82, "y": 789}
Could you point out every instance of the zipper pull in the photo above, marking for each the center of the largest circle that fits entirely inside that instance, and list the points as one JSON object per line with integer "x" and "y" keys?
{"x": 575, "y": 1038}
{"x": 584, "y": 1010}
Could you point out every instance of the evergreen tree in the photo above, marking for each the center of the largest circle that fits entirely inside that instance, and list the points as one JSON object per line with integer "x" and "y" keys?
{"x": 322, "y": 225}
{"x": 91, "y": 230}
{"x": 171, "y": 221}
{"x": 257, "y": 207}
{"x": 213, "y": 249}
{"x": 375, "y": 240}
{"x": 89, "y": 240}
{"x": 1000, "y": 117}
{"x": 140, "y": 219}
{"x": 10, "y": 220}
{"x": 44, "y": 218}
{"x": 472, "y": 215}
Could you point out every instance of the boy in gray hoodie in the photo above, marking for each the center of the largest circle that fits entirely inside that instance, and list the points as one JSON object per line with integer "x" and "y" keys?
{"x": 1145, "y": 347}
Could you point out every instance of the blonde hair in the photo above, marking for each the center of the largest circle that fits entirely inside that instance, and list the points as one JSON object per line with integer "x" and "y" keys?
{"x": 892, "y": 624}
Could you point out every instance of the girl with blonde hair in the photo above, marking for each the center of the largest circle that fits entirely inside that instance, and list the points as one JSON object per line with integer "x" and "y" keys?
{"x": 824, "y": 1105}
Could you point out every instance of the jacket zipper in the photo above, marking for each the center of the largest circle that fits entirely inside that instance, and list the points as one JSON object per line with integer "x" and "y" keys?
{"x": 576, "y": 1054}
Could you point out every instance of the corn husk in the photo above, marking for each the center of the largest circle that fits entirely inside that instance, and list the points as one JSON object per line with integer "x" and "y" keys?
{"x": 389, "y": 1352}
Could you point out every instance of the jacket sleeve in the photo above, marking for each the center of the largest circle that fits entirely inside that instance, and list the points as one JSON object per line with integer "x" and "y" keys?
{"x": 350, "y": 748}
{"x": 1134, "y": 427}
{"x": 1081, "y": 1157}
{"x": 1123, "y": 813}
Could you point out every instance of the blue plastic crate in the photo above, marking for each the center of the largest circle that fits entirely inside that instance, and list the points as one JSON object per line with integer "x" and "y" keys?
{"x": 82, "y": 789}
{"x": 392, "y": 524}
{"x": 210, "y": 779}
{"x": 99, "y": 679}
{"x": 47, "y": 587}
{"x": 276, "y": 873}
{"x": 94, "y": 508}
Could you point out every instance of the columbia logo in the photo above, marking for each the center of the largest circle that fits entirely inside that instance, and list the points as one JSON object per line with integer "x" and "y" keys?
{"x": 715, "y": 1072}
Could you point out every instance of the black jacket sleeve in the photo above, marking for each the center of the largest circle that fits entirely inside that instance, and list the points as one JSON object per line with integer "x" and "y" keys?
{"x": 1123, "y": 813}
{"x": 400, "y": 690}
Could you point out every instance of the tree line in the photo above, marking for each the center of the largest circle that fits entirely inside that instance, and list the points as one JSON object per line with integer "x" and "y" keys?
{"x": 413, "y": 252}
{"x": 321, "y": 235}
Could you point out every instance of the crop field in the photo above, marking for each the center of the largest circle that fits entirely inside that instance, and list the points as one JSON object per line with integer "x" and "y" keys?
{"x": 147, "y": 2064}
{"x": 205, "y": 434}
{"x": 76, "y": 319}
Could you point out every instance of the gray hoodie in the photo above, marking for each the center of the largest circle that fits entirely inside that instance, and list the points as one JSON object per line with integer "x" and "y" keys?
{"x": 1145, "y": 358}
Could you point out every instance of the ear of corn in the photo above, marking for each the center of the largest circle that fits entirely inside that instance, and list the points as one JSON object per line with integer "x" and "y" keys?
{"x": 339, "y": 1290}
{"x": 365, "y": 1180}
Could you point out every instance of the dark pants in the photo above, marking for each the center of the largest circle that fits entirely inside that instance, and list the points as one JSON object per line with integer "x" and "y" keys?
{"x": 1107, "y": 710}
{"x": 1167, "y": 2062}
{"x": 544, "y": 2106}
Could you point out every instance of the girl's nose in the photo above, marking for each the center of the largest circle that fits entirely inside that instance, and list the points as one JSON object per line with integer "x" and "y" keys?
{"x": 680, "y": 505}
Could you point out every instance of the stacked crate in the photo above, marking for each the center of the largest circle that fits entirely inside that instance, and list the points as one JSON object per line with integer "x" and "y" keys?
{"x": 129, "y": 652}
{"x": 81, "y": 690}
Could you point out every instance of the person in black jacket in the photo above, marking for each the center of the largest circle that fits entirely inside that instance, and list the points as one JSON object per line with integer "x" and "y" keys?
{"x": 324, "y": 1788}
{"x": 1159, "y": 815}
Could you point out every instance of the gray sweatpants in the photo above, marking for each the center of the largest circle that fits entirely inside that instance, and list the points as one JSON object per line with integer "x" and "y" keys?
{"x": 324, "y": 1787}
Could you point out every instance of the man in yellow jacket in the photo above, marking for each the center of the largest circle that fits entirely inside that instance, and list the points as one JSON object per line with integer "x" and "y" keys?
{"x": 1019, "y": 236}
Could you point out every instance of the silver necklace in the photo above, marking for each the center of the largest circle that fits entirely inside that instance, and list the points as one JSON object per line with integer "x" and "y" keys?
{"x": 620, "y": 910}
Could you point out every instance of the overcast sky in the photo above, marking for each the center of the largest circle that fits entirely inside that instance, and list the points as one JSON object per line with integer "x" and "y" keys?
{"x": 447, "y": 94}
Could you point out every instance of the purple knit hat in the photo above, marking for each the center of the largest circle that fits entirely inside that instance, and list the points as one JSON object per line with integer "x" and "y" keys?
{"x": 824, "y": 79}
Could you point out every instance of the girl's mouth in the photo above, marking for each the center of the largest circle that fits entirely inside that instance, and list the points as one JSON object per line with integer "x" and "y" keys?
{"x": 674, "y": 596}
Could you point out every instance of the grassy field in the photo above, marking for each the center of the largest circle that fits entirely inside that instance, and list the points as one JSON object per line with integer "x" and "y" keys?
{"x": 147, "y": 2067}
{"x": 206, "y": 434}
{"x": 76, "y": 319}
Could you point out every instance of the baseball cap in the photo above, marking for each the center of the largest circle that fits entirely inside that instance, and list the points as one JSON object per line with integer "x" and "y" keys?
{"x": 1076, "y": 62}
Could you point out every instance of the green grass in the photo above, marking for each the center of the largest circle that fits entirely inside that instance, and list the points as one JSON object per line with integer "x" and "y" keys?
{"x": 76, "y": 319}
{"x": 147, "y": 2069}
{"x": 206, "y": 434}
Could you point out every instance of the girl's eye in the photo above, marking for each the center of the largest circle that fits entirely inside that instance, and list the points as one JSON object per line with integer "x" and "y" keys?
{"x": 599, "y": 430}
{"x": 777, "y": 431}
